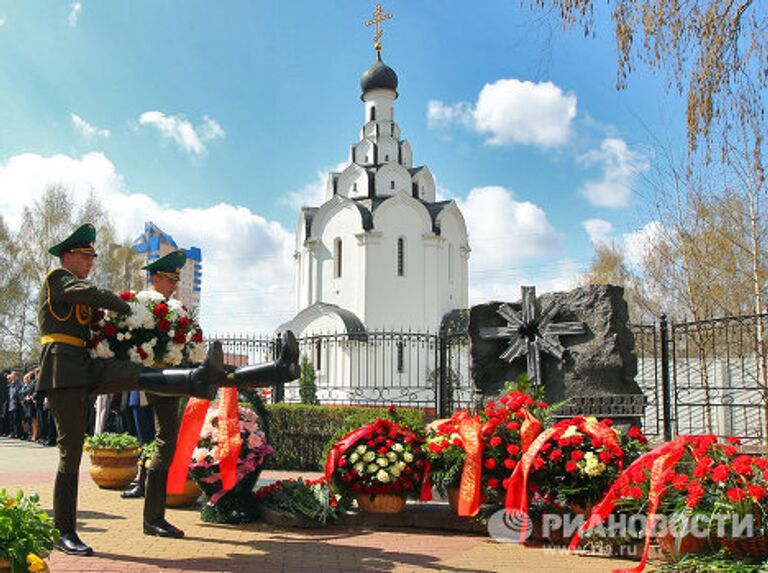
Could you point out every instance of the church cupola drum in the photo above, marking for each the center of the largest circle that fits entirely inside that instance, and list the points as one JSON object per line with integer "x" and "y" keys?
{"x": 381, "y": 253}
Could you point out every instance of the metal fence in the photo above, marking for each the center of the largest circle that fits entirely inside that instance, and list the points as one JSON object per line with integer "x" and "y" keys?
{"x": 425, "y": 370}
{"x": 703, "y": 377}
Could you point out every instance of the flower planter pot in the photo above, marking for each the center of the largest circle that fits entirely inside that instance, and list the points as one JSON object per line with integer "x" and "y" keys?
{"x": 674, "y": 547}
{"x": 742, "y": 547}
{"x": 286, "y": 520}
{"x": 187, "y": 497}
{"x": 453, "y": 499}
{"x": 113, "y": 469}
{"x": 5, "y": 564}
{"x": 380, "y": 503}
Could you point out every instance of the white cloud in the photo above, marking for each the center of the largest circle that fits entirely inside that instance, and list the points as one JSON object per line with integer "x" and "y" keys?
{"x": 3, "y": 20}
{"x": 312, "y": 194}
{"x": 86, "y": 129}
{"x": 599, "y": 231}
{"x": 74, "y": 13}
{"x": 513, "y": 111}
{"x": 247, "y": 259}
{"x": 621, "y": 167}
{"x": 180, "y": 130}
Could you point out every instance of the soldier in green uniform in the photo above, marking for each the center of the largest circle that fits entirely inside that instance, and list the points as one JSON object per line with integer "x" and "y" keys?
{"x": 164, "y": 275}
{"x": 68, "y": 375}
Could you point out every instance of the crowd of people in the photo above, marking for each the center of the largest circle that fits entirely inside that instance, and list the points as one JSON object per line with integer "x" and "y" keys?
{"x": 24, "y": 412}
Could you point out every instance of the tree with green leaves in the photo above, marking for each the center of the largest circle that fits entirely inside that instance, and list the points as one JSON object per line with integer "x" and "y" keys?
{"x": 307, "y": 386}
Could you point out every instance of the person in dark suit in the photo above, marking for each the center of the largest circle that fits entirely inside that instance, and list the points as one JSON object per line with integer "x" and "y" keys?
{"x": 4, "y": 403}
{"x": 69, "y": 375}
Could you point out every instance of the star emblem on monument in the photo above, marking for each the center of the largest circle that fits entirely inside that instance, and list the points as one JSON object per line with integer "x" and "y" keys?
{"x": 531, "y": 334}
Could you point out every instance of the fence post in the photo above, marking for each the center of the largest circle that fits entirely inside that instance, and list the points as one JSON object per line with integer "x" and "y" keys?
{"x": 278, "y": 394}
{"x": 666, "y": 391}
{"x": 443, "y": 384}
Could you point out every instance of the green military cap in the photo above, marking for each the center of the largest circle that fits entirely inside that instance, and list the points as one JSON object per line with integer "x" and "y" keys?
{"x": 169, "y": 265}
{"x": 81, "y": 241}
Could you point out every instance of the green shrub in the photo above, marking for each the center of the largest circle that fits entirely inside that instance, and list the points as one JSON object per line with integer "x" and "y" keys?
{"x": 109, "y": 440}
{"x": 307, "y": 387}
{"x": 304, "y": 433}
{"x": 24, "y": 529}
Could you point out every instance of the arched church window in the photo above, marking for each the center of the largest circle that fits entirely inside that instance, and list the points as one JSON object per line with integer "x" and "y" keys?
{"x": 392, "y": 184}
{"x": 386, "y": 158}
{"x": 401, "y": 257}
{"x": 337, "y": 258}
{"x": 373, "y": 113}
{"x": 354, "y": 186}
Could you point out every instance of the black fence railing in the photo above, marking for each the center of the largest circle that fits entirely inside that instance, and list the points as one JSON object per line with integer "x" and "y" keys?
{"x": 426, "y": 370}
{"x": 704, "y": 377}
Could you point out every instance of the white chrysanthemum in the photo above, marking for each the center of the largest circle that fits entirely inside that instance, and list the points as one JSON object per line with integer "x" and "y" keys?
{"x": 102, "y": 350}
{"x": 138, "y": 318}
{"x": 401, "y": 466}
{"x": 392, "y": 456}
{"x": 174, "y": 354}
{"x": 395, "y": 470}
{"x": 174, "y": 305}
{"x": 571, "y": 431}
{"x": 398, "y": 447}
{"x": 360, "y": 467}
{"x": 197, "y": 353}
{"x": 383, "y": 462}
{"x": 119, "y": 336}
{"x": 353, "y": 457}
{"x": 383, "y": 476}
{"x": 368, "y": 456}
{"x": 408, "y": 457}
{"x": 361, "y": 449}
{"x": 149, "y": 297}
{"x": 372, "y": 468}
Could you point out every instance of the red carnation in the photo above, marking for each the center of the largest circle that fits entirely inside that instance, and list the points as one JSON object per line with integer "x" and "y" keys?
{"x": 571, "y": 466}
{"x": 142, "y": 354}
{"x": 720, "y": 473}
{"x": 163, "y": 325}
{"x": 756, "y": 492}
{"x": 509, "y": 463}
{"x": 161, "y": 310}
{"x": 98, "y": 314}
{"x": 458, "y": 442}
{"x": 635, "y": 492}
{"x": 637, "y": 434}
{"x": 556, "y": 455}
{"x": 95, "y": 326}
{"x": 110, "y": 329}
{"x": 680, "y": 481}
{"x": 382, "y": 450}
{"x": 513, "y": 449}
{"x": 495, "y": 441}
{"x": 493, "y": 483}
{"x": 371, "y": 443}
{"x": 538, "y": 463}
{"x": 513, "y": 425}
{"x": 733, "y": 440}
{"x": 490, "y": 463}
{"x": 183, "y": 322}
{"x": 197, "y": 337}
{"x": 605, "y": 457}
{"x": 736, "y": 494}
{"x": 127, "y": 295}
{"x": 342, "y": 462}
{"x": 179, "y": 337}
{"x": 577, "y": 455}
{"x": 729, "y": 451}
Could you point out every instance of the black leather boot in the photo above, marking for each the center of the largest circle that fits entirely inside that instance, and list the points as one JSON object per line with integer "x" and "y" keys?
{"x": 202, "y": 382}
{"x": 284, "y": 369}
{"x": 136, "y": 489}
{"x": 65, "y": 515}
{"x": 154, "y": 506}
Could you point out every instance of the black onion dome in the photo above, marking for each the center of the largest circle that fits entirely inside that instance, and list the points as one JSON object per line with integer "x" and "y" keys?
{"x": 379, "y": 75}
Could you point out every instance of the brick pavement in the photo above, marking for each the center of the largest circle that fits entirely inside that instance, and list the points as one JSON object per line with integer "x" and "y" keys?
{"x": 113, "y": 527}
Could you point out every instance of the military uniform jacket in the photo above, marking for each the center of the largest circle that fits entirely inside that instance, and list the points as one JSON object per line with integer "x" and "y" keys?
{"x": 65, "y": 311}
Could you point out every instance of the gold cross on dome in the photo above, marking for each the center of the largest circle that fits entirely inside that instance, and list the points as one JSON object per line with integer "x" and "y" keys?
{"x": 378, "y": 17}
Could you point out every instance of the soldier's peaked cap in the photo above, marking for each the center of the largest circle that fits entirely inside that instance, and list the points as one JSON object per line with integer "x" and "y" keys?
{"x": 81, "y": 241}
{"x": 169, "y": 265}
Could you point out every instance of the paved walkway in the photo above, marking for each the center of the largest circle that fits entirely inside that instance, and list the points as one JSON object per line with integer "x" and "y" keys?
{"x": 113, "y": 527}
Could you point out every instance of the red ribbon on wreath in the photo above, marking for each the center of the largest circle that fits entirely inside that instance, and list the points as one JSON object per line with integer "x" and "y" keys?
{"x": 516, "y": 502}
{"x": 230, "y": 441}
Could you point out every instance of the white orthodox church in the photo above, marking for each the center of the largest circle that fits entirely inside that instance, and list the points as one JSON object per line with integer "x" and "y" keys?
{"x": 381, "y": 254}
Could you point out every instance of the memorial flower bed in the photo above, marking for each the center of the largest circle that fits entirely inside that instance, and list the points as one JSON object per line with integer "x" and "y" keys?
{"x": 378, "y": 459}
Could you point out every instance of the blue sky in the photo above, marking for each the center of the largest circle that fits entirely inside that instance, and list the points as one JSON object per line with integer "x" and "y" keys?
{"x": 217, "y": 120}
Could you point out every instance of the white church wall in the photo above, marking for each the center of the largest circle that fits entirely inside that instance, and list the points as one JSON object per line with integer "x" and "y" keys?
{"x": 353, "y": 182}
{"x": 387, "y": 150}
{"x": 392, "y": 179}
{"x": 365, "y": 153}
{"x": 394, "y": 301}
{"x": 453, "y": 291}
{"x": 379, "y": 105}
{"x": 340, "y": 227}
{"x": 425, "y": 184}
{"x": 406, "y": 155}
